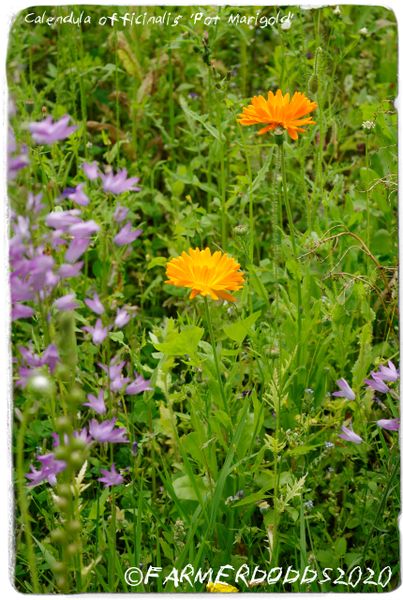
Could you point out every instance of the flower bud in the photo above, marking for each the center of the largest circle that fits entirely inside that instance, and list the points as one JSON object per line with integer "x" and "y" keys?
{"x": 61, "y": 503}
{"x": 63, "y": 424}
{"x": 40, "y": 385}
{"x": 76, "y": 458}
{"x": 58, "y": 567}
{"x": 73, "y": 526}
{"x": 63, "y": 489}
{"x": 72, "y": 549}
{"x": 77, "y": 395}
{"x": 61, "y": 581}
{"x": 58, "y": 536}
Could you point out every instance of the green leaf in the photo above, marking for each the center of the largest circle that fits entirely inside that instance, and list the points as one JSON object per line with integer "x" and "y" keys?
{"x": 363, "y": 362}
{"x": 239, "y": 330}
{"x": 251, "y": 499}
{"x": 158, "y": 261}
{"x": 184, "y": 489}
{"x": 117, "y": 336}
{"x": 192, "y": 116}
{"x": 181, "y": 343}
{"x": 340, "y": 546}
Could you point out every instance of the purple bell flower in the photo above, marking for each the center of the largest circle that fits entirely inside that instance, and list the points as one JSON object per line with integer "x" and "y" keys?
{"x": 106, "y": 432}
{"x": 345, "y": 390}
{"x": 111, "y": 477}
{"x": 349, "y": 435}
{"x": 127, "y": 235}
{"x": 48, "y": 131}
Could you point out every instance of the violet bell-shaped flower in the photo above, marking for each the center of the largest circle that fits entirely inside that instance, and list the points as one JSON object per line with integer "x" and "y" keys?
{"x": 389, "y": 373}
{"x": 95, "y": 304}
{"x": 97, "y": 402}
{"x": 345, "y": 390}
{"x": 122, "y": 318}
{"x": 91, "y": 170}
{"x": 349, "y": 435}
{"x": 106, "y": 432}
{"x": 48, "y": 471}
{"x": 98, "y": 332}
{"x": 127, "y": 235}
{"x": 138, "y": 386}
{"x": 389, "y": 424}
{"x": 76, "y": 249}
{"x": 120, "y": 213}
{"x": 377, "y": 384}
{"x": 63, "y": 219}
{"x": 66, "y": 303}
{"x": 77, "y": 195}
{"x": 119, "y": 183}
{"x": 111, "y": 477}
{"x": 48, "y": 131}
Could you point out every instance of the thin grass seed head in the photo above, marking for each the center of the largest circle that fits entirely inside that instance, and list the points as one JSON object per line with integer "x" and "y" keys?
{"x": 279, "y": 112}
{"x": 205, "y": 273}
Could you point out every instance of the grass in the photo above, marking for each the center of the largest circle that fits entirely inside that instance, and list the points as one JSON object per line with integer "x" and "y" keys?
{"x": 234, "y": 455}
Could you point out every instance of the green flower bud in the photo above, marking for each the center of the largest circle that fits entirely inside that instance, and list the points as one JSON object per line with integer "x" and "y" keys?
{"x": 63, "y": 425}
{"x": 73, "y": 526}
{"x": 77, "y": 395}
{"x": 61, "y": 582}
{"x": 76, "y": 458}
{"x": 61, "y": 503}
{"x": 58, "y": 567}
{"x": 72, "y": 549}
{"x": 58, "y": 536}
{"x": 40, "y": 385}
{"x": 64, "y": 489}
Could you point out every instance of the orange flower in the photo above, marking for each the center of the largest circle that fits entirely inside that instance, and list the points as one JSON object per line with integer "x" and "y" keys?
{"x": 205, "y": 273}
{"x": 279, "y": 111}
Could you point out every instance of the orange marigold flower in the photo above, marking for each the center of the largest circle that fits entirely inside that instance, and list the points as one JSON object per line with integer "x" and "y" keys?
{"x": 205, "y": 273}
{"x": 279, "y": 111}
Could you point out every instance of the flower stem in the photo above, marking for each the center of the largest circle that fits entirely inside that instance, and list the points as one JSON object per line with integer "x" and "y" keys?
{"x": 23, "y": 503}
{"x": 213, "y": 344}
{"x": 294, "y": 247}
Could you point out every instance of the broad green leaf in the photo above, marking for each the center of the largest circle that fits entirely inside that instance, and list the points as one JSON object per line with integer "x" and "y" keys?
{"x": 184, "y": 489}
{"x": 239, "y": 330}
{"x": 181, "y": 343}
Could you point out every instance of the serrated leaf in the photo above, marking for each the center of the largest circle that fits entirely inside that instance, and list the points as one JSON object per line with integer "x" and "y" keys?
{"x": 239, "y": 330}
{"x": 181, "y": 343}
{"x": 363, "y": 362}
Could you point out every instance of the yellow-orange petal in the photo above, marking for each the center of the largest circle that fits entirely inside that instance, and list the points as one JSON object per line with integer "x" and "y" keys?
{"x": 279, "y": 111}
{"x": 205, "y": 273}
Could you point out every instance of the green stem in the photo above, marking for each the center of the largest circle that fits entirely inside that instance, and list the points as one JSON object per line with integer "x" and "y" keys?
{"x": 213, "y": 344}
{"x": 23, "y": 503}
{"x": 294, "y": 247}
{"x": 367, "y": 193}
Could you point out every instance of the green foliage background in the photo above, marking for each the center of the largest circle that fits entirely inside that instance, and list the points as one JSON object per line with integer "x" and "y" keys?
{"x": 162, "y": 101}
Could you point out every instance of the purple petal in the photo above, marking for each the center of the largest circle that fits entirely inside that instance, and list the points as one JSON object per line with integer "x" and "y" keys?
{"x": 76, "y": 249}
{"x": 91, "y": 170}
{"x": 66, "y": 303}
{"x": 389, "y": 424}
{"x": 66, "y": 271}
{"x": 95, "y": 304}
